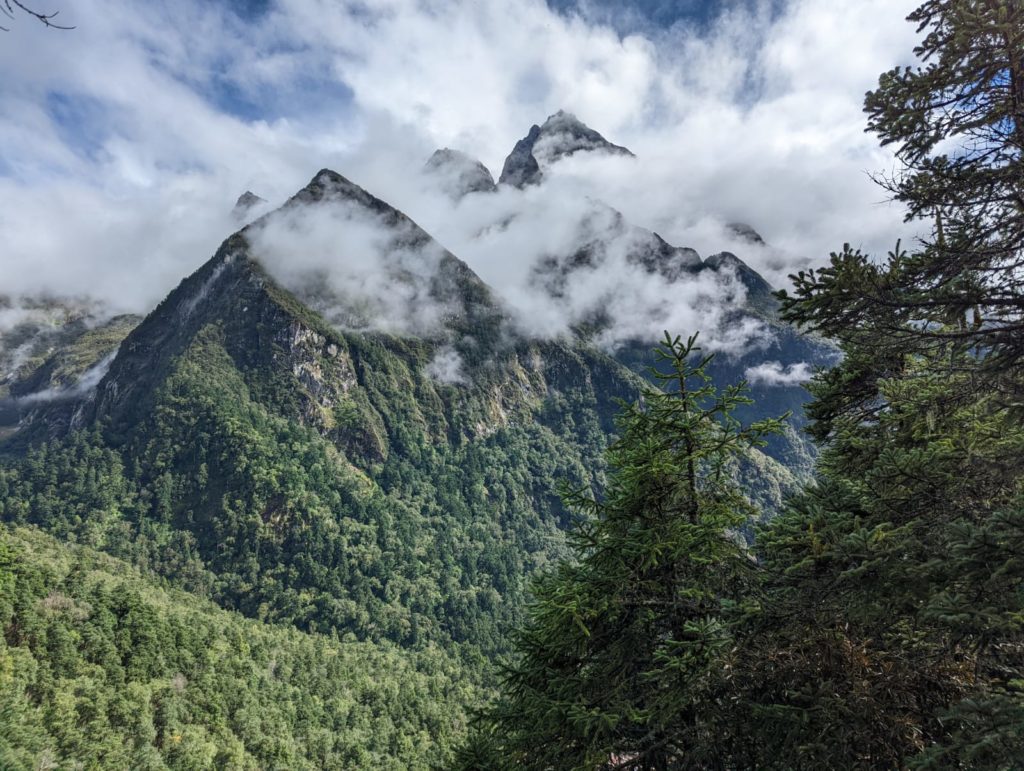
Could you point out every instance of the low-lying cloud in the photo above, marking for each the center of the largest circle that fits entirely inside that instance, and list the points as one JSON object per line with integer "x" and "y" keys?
{"x": 557, "y": 260}
{"x": 85, "y": 384}
{"x": 447, "y": 367}
{"x": 560, "y": 259}
{"x": 359, "y": 271}
{"x": 772, "y": 373}
{"x": 128, "y": 140}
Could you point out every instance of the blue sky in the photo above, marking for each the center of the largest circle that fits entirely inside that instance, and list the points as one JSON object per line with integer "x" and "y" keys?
{"x": 647, "y": 15}
{"x": 137, "y": 130}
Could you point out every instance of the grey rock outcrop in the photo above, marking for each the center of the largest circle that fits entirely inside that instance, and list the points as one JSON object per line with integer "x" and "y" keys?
{"x": 560, "y": 136}
{"x": 459, "y": 174}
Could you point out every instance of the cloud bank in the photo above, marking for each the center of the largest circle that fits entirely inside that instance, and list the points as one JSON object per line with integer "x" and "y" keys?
{"x": 557, "y": 261}
{"x": 127, "y": 140}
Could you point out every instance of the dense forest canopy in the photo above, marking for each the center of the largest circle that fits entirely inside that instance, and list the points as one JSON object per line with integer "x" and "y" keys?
{"x": 879, "y": 620}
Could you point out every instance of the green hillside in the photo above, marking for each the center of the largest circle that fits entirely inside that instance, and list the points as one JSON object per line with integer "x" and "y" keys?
{"x": 242, "y": 449}
{"x": 103, "y": 668}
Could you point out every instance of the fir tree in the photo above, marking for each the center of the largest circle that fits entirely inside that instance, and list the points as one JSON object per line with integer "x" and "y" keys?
{"x": 956, "y": 122}
{"x": 892, "y": 627}
{"x": 622, "y": 661}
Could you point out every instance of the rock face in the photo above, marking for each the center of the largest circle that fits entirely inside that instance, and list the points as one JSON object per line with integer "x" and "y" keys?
{"x": 521, "y": 167}
{"x": 246, "y": 202}
{"x": 746, "y": 232}
{"x": 458, "y": 174}
{"x": 560, "y": 136}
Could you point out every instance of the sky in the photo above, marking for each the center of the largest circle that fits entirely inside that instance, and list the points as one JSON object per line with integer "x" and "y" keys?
{"x": 127, "y": 140}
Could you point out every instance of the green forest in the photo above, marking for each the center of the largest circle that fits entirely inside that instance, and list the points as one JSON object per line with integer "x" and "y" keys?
{"x": 877, "y": 621}
{"x": 275, "y": 545}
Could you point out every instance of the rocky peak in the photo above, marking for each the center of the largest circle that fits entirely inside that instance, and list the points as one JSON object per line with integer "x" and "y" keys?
{"x": 245, "y": 203}
{"x": 560, "y": 136}
{"x": 746, "y": 232}
{"x": 760, "y": 294}
{"x": 459, "y": 174}
{"x": 521, "y": 168}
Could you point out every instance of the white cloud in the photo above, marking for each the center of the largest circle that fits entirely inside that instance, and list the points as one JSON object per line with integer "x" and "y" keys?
{"x": 358, "y": 270}
{"x": 447, "y": 367}
{"x": 128, "y": 140}
{"x": 772, "y": 373}
{"x": 85, "y": 383}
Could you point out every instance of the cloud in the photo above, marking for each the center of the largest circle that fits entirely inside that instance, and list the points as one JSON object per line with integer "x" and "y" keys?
{"x": 128, "y": 140}
{"x": 772, "y": 373}
{"x": 447, "y": 367}
{"x": 356, "y": 267}
{"x": 85, "y": 384}
{"x": 560, "y": 259}
{"x": 29, "y": 330}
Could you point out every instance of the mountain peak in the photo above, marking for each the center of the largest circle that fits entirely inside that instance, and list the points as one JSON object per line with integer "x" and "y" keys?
{"x": 560, "y": 136}
{"x": 245, "y": 204}
{"x": 459, "y": 174}
{"x": 745, "y": 232}
{"x": 761, "y": 294}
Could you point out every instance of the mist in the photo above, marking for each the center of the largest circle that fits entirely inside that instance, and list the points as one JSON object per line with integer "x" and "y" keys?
{"x": 751, "y": 118}
{"x": 358, "y": 270}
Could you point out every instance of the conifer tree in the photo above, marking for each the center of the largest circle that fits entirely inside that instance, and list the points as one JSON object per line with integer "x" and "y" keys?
{"x": 893, "y": 623}
{"x": 956, "y": 122}
{"x": 892, "y": 592}
{"x": 622, "y": 659}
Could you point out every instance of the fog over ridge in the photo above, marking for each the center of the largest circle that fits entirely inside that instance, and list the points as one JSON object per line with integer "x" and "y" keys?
{"x": 750, "y": 118}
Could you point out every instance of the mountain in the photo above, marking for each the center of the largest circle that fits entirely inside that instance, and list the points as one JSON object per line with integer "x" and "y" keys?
{"x": 560, "y": 136}
{"x": 334, "y": 429}
{"x": 458, "y": 174}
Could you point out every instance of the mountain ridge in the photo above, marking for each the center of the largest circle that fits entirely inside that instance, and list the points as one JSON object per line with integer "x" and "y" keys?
{"x": 392, "y": 487}
{"x": 560, "y": 136}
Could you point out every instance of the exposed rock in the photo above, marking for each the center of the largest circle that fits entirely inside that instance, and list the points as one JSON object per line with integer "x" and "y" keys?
{"x": 245, "y": 204}
{"x": 521, "y": 168}
{"x": 560, "y": 136}
{"x": 746, "y": 232}
{"x": 458, "y": 174}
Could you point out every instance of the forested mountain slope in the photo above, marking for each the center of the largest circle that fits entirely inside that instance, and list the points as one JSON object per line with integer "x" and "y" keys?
{"x": 102, "y": 668}
{"x": 323, "y": 455}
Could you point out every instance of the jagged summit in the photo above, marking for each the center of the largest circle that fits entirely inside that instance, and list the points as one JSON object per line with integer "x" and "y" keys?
{"x": 560, "y": 136}
{"x": 746, "y": 232}
{"x": 245, "y": 203}
{"x": 459, "y": 174}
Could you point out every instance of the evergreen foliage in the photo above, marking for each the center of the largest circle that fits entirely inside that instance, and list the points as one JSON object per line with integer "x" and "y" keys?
{"x": 894, "y": 587}
{"x": 621, "y": 657}
{"x": 101, "y": 668}
{"x": 957, "y": 125}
